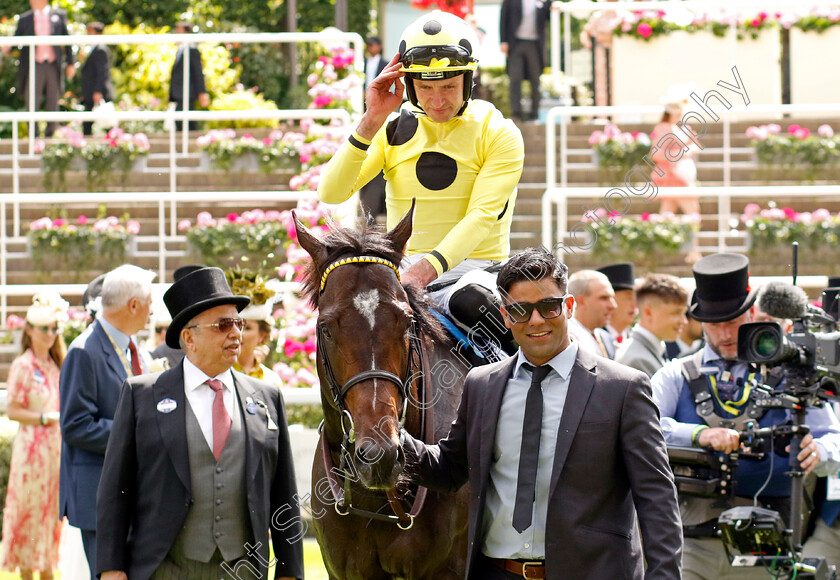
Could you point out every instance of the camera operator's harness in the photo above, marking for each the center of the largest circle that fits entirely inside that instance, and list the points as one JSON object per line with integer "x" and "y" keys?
{"x": 704, "y": 393}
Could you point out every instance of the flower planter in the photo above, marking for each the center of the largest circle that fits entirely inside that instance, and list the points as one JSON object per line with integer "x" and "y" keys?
{"x": 78, "y": 261}
{"x": 246, "y": 163}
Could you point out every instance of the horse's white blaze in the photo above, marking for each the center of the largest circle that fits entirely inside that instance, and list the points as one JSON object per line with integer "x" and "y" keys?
{"x": 366, "y": 303}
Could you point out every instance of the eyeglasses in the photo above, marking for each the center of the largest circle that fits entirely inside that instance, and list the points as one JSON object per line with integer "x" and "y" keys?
{"x": 47, "y": 329}
{"x": 423, "y": 55}
{"x": 224, "y": 325}
{"x": 549, "y": 308}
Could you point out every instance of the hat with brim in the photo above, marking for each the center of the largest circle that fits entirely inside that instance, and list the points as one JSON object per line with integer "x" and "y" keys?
{"x": 723, "y": 290}
{"x": 620, "y": 276}
{"x": 194, "y": 293}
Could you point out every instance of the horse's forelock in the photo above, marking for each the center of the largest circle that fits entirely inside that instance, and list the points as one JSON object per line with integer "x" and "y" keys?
{"x": 345, "y": 242}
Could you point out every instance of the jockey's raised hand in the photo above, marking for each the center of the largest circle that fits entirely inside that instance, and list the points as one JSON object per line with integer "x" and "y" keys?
{"x": 379, "y": 100}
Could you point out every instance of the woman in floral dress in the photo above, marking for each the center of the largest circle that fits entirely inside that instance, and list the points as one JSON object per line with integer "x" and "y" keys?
{"x": 31, "y": 527}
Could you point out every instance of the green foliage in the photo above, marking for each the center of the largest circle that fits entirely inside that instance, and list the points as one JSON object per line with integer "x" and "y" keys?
{"x": 309, "y": 416}
{"x": 645, "y": 239}
{"x": 134, "y": 13}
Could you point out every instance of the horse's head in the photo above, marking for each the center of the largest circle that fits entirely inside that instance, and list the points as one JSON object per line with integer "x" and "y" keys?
{"x": 365, "y": 324}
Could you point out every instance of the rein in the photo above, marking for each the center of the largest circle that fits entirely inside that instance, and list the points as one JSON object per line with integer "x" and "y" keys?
{"x": 414, "y": 372}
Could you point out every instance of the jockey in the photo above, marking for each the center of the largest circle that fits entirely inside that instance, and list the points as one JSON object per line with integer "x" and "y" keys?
{"x": 457, "y": 156}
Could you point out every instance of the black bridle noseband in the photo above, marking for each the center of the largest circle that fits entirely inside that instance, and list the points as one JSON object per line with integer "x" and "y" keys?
{"x": 413, "y": 372}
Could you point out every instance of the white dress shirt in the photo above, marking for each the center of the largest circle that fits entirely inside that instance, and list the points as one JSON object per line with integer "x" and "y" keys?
{"x": 200, "y": 396}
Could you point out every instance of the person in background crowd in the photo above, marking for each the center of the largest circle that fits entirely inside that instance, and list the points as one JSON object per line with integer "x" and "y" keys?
{"x": 96, "y": 76}
{"x": 723, "y": 300}
{"x": 661, "y": 302}
{"x": 97, "y": 363}
{"x": 258, "y": 323}
{"x": 622, "y": 280}
{"x": 163, "y": 350}
{"x": 522, "y": 34}
{"x": 670, "y": 173}
{"x": 31, "y": 530}
{"x": 688, "y": 342}
{"x": 50, "y": 61}
{"x": 196, "y": 82}
{"x": 199, "y": 466}
{"x": 594, "y": 305}
{"x": 372, "y": 194}
{"x": 562, "y": 448}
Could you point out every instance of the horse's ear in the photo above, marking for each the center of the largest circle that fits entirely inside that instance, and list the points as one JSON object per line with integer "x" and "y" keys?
{"x": 402, "y": 231}
{"x": 309, "y": 242}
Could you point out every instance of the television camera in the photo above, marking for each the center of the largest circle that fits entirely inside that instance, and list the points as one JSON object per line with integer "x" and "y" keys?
{"x": 808, "y": 358}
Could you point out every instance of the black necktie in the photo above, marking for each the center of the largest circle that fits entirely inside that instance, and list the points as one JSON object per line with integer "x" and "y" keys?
{"x": 529, "y": 453}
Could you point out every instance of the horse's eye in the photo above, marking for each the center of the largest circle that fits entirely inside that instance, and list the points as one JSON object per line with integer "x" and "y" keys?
{"x": 325, "y": 331}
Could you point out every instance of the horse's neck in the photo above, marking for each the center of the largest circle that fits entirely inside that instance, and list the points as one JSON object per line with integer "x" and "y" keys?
{"x": 444, "y": 377}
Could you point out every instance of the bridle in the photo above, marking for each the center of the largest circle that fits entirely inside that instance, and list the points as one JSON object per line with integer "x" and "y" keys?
{"x": 413, "y": 372}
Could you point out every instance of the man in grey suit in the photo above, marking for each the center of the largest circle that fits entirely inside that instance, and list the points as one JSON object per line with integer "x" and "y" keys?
{"x": 97, "y": 363}
{"x": 562, "y": 449}
{"x": 661, "y": 302}
{"x": 199, "y": 466}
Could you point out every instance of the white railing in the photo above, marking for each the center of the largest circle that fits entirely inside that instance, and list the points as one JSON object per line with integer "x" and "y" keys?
{"x": 562, "y": 115}
{"x": 185, "y": 40}
{"x": 707, "y": 6}
{"x": 166, "y": 236}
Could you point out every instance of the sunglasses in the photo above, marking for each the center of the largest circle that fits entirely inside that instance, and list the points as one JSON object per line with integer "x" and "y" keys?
{"x": 224, "y": 325}
{"x": 423, "y": 55}
{"x": 549, "y": 308}
{"x": 47, "y": 329}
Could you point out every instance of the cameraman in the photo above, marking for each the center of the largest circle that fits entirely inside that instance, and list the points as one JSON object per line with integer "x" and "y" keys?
{"x": 723, "y": 301}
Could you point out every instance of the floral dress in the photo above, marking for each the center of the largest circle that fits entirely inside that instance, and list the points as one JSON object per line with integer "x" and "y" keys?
{"x": 31, "y": 527}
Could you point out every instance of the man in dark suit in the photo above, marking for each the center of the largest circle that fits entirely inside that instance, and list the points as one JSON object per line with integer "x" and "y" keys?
{"x": 97, "y": 363}
{"x": 522, "y": 33}
{"x": 43, "y": 20}
{"x": 562, "y": 449}
{"x": 199, "y": 465}
{"x": 176, "y": 80}
{"x": 372, "y": 194}
{"x": 96, "y": 76}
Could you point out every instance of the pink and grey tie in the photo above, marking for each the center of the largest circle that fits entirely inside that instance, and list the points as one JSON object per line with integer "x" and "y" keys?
{"x": 221, "y": 419}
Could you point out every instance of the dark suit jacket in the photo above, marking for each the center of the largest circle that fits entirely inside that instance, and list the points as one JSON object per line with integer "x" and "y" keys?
{"x": 379, "y": 66}
{"x": 145, "y": 492}
{"x": 96, "y": 75}
{"x": 63, "y": 55}
{"x": 89, "y": 388}
{"x": 176, "y": 82}
{"x": 511, "y": 18}
{"x": 610, "y": 458}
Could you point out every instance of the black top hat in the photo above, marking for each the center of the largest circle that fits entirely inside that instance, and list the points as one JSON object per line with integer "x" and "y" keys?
{"x": 620, "y": 275}
{"x": 723, "y": 288}
{"x": 194, "y": 293}
{"x": 92, "y": 292}
{"x": 184, "y": 270}
{"x": 833, "y": 282}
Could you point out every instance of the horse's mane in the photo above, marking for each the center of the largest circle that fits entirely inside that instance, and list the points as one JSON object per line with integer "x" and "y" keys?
{"x": 369, "y": 241}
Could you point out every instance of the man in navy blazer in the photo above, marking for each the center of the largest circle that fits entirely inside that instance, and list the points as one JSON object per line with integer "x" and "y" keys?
{"x": 97, "y": 363}
{"x": 49, "y": 63}
{"x": 197, "y": 89}
{"x": 564, "y": 505}
{"x": 96, "y": 76}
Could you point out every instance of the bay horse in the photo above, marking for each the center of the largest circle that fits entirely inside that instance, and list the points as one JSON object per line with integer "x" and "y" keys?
{"x": 384, "y": 364}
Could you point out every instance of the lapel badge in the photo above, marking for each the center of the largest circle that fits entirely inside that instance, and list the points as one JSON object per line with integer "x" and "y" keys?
{"x": 166, "y": 406}
{"x": 250, "y": 406}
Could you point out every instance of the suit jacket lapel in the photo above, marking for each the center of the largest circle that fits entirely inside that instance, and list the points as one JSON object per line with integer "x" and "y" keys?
{"x": 493, "y": 392}
{"x": 173, "y": 425}
{"x": 648, "y": 344}
{"x": 580, "y": 388}
{"x": 255, "y": 424}
{"x": 111, "y": 356}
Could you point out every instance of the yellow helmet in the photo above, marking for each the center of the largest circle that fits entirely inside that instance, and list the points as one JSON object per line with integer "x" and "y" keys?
{"x": 438, "y": 46}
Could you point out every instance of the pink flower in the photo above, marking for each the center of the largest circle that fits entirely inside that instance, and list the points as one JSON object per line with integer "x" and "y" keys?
{"x": 755, "y": 22}
{"x": 204, "y": 219}
{"x": 57, "y": 223}
{"x": 820, "y": 215}
{"x": 645, "y": 217}
{"x": 825, "y": 131}
{"x": 184, "y": 225}
{"x": 644, "y": 30}
{"x": 81, "y": 220}
{"x": 773, "y": 129}
{"x": 39, "y": 145}
{"x": 272, "y": 215}
{"x": 752, "y": 208}
{"x": 267, "y": 141}
{"x": 790, "y": 214}
{"x": 14, "y": 321}
{"x": 305, "y": 158}
{"x": 793, "y": 129}
{"x": 595, "y": 138}
{"x": 132, "y": 227}
{"x": 802, "y": 133}
{"x": 44, "y": 223}
{"x": 232, "y": 217}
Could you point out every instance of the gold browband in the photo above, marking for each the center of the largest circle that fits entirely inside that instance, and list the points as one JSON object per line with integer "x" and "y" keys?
{"x": 357, "y": 260}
